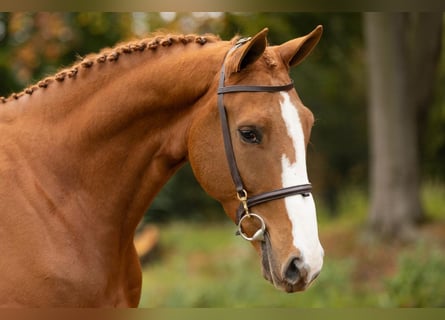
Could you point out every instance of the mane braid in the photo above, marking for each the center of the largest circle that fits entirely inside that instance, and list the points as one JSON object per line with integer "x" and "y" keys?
{"x": 111, "y": 55}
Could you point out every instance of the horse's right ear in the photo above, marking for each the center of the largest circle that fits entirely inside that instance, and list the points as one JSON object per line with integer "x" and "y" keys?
{"x": 294, "y": 51}
{"x": 247, "y": 53}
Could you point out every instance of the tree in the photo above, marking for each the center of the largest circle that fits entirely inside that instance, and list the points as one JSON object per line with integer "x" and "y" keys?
{"x": 403, "y": 51}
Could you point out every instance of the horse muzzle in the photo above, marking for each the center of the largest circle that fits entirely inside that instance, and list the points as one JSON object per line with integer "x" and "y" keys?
{"x": 292, "y": 276}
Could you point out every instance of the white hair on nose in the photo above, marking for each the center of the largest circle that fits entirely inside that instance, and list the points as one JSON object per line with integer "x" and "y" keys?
{"x": 300, "y": 209}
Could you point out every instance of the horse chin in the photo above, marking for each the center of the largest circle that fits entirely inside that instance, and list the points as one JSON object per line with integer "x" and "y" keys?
{"x": 271, "y": 273}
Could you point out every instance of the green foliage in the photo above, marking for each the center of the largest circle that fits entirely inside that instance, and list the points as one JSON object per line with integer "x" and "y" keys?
{"x": 432, "y": 142}
{"x": 205, "y": 265}
{"x": 34, "y": 45}
{"x": 183, "y": 199}
{"x": 433, "y": 199}
{"x": 353, "y": 205}
{"x": 420, "y": 282}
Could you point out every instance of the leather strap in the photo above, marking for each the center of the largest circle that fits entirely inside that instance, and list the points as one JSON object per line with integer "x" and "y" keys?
{"x": 238, "y": 88}
{"x": 227, "y": 139}
{"x": 303, "y": 189}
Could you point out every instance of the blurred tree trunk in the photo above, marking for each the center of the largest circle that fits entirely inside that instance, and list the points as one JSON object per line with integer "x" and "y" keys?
{"x": 403, "y": 51}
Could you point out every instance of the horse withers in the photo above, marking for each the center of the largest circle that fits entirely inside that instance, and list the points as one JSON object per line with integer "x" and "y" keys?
{"x": 84, "y": 152}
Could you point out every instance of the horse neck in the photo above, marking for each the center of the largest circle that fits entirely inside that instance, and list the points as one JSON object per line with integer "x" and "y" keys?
{"x": 115, "y": 134}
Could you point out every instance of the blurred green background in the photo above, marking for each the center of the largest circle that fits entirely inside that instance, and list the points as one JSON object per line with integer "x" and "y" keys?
{"x": 198, "y": 261}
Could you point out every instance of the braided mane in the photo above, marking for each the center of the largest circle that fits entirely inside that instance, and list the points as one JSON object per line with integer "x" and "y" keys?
{"x": 111, "y": 55}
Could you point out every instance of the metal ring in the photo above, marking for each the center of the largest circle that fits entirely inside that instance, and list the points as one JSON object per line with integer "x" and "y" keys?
{"x": 259, "y": 234}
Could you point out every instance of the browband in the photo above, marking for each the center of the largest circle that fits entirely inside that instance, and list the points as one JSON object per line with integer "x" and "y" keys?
{"x": 238, "y": 88}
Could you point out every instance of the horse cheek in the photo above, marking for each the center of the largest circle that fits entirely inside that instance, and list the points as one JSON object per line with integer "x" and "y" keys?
{"x": 207, "y": 159}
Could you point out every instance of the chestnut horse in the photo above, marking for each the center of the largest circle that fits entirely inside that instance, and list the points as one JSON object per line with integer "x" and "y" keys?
{"x": 84, "y": 152}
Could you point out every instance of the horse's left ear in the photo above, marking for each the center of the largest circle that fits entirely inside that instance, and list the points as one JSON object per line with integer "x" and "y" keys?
{"x": 294, "y": 51}
{"x": 248, "y": 53}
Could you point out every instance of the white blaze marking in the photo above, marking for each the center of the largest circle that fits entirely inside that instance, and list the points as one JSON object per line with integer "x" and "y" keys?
{"x": 301, "y": 210}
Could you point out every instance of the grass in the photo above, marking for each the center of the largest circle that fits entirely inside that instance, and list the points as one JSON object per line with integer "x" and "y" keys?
{"x": 205, "y": 265}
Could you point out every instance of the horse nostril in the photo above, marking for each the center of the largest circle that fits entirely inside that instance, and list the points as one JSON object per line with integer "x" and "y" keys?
{"x": 293, "y": 272}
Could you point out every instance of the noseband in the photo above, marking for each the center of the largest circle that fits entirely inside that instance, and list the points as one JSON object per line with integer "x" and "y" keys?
{"x": 247, "y": 202}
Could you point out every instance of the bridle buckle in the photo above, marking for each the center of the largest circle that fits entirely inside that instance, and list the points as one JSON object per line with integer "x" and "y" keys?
{"x": 242, "y": 197}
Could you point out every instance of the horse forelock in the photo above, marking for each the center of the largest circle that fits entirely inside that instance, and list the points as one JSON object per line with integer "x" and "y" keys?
{"x": 110, "y": 55}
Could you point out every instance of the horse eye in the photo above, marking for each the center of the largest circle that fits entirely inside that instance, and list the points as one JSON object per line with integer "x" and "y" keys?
{"x": 250, "y": 135}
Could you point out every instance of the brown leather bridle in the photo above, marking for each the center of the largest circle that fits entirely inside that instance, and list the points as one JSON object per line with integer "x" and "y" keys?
{"x": 245, "y": 201}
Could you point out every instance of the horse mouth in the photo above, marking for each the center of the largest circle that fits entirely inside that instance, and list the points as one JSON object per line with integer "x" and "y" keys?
{"x": 272, "y": 273}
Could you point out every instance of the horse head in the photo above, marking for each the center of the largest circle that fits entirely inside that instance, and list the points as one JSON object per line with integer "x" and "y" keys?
{"x": 247, "y": 148}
